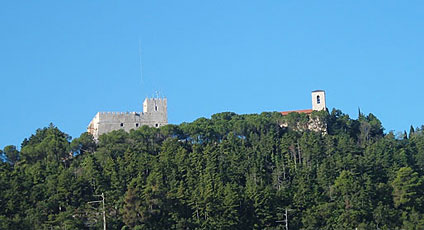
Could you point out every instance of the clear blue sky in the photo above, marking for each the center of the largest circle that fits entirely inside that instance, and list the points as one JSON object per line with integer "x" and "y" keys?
{"x": 62, "y": 62}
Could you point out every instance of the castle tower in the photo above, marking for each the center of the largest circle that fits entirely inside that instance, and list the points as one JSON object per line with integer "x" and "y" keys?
{"x": 154, "y": 105}
{"x": 156, "y": 109}
{"x": 318, "y": 100}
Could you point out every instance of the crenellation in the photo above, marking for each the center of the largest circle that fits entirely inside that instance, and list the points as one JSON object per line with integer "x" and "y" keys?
{"x": 154, "y": 114}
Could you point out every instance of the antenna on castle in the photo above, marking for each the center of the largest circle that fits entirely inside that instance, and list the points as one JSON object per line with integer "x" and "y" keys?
{"x": 139, "y": 54}
{"x": 157, "y": 94}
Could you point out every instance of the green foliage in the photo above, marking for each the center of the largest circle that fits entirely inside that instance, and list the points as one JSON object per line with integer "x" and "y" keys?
{"x": 12, "y": 154}
{"x": 407, "y": 189}
{"x": 228, "y": 172}
{"x": 83, "y": 144}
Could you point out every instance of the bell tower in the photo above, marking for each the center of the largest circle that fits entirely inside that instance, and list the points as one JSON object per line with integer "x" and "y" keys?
{"x": 318, "y": 100}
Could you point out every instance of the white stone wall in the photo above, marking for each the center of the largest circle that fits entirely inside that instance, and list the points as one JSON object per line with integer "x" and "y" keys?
{"x": 314, "y": 124}
{"x": 318, "y": 100}
{"x": 154, "y": 115}
{"x": 154, "y": 105}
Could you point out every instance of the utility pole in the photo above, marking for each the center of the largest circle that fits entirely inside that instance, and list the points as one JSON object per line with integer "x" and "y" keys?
{"x": 104, "y": 211}
{"x": 286, "y": 219}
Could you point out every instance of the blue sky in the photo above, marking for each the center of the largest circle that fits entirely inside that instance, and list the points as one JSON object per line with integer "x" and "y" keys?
{"x": 62, "y": 62}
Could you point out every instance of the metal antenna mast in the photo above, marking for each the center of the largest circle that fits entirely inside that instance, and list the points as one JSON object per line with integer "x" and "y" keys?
{"x": 141, "y": 66}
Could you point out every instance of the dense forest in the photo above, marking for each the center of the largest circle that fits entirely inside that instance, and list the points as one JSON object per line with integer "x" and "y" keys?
{"x": 227, "y": 172}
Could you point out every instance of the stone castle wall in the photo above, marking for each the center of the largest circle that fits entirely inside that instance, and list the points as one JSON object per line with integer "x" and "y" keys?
{"x": 154, "y": 115}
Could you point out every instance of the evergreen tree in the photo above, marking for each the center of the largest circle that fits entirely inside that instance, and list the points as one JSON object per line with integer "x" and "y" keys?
{"x": 228, "y": 172}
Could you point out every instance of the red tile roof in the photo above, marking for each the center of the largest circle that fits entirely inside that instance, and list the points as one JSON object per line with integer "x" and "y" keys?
{"x": 307, "y": 111}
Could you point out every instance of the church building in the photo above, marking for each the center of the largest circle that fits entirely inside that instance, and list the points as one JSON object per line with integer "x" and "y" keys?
{"x": 318, "y": 103}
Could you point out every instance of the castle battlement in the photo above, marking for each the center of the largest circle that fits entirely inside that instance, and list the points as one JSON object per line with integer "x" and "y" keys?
{"x": 118, "y": 113}
{"x": 154, "y": 115}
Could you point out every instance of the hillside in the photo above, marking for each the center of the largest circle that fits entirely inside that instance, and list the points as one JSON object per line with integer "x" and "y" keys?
{"x": 228, "y": 172}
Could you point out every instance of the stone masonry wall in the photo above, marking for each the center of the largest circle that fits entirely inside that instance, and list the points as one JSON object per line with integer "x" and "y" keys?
{"x": 154, "y": 115}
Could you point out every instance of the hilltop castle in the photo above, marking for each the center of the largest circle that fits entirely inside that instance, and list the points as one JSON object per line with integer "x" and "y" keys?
{"x": 154, "y": 115}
